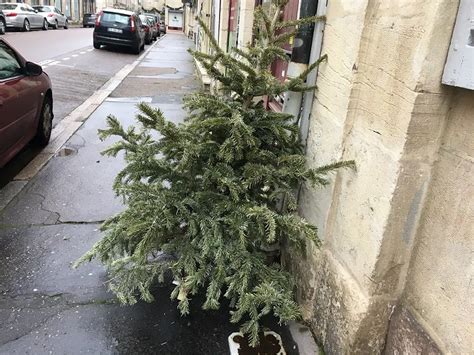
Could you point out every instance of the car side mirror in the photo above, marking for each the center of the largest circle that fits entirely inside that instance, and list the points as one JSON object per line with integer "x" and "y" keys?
{"x": 33, "y": 69}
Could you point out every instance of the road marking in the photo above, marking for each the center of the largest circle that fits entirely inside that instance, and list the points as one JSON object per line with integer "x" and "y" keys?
{"x": 75, "y": 55}
{"x": 67, "y": 58}
{"x": 72, "y": 122}
{"x": 82, "y": 53}
{"x": 90, "y": 50}
{"x": 45, "y": 62}
{"x": 54, "y": 63}
{"x": 65, "y": 65}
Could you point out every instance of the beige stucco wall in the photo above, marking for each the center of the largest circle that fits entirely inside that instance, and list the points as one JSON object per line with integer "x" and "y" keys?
{"x": 380, "y": 103}
{"x": 440, "y": 288}
{"x": 247, "y": 8}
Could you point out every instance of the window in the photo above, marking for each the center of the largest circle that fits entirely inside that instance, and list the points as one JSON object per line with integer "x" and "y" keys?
{"x": 9, "y": 65}
{"x": 119, "y": 18}
{"x": 42, "y": 8}
{"x": 8, "y": 6}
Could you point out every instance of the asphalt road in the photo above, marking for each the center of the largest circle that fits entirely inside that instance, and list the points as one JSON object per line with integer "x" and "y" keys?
{"x": 41, "y": 45}
{"x": 76, "y": 69}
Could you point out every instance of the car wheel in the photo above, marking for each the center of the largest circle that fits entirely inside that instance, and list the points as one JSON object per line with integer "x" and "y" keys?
{"x": 137, "y": 49}
{"x": 26, "y": 26}
{"x": 56, "y": 25}
{"x": 3, "y": 27}
{"x": 66, "y": 25}
{"x": 45, "y": 25}
{"x": 96, "y": 45}
{"x": 45, "y": 125}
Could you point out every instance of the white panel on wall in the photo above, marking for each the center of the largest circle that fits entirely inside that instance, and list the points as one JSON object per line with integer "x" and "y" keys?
{"x": 459, "y": 69}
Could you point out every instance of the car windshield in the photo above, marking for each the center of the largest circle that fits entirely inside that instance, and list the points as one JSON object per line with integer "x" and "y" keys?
{"x": 151, "y": 19}
{"x": 8, "y": 6}
{"x": 144, "y": 19}
{"x": 43, "y": 8}
{"x": 111, "y": 17}
{"x": 9, "y": 65}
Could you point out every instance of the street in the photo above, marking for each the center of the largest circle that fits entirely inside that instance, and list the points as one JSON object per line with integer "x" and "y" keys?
{"x": 75, "y": 68}
{"x": 236, "y": 177}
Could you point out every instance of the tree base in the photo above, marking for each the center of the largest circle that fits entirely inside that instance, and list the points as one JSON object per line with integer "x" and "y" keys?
{"x": 270, "y": 344}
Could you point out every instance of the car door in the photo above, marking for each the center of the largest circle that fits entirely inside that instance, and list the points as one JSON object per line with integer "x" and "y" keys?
{"x": 23, "y": 13}
{"x": 35, "y": 18}
{"x": 60, "y": 17}
{"x": 18, "y": 101}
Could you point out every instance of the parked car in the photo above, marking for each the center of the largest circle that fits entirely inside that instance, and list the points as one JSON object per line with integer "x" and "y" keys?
{"x": 156, "y": 18}
{"x": 162, "y": 27}
{"x": 53, "y": 15}
{"x": 155, "y": 27}
{"x": 88, "y": 20}
{"x": 147, "y": 26}
{"x": 119, "y": 28}
{"x": 3, "y": 23}
{"x": 26, "y": 103}
{"x": 22, "y": 16}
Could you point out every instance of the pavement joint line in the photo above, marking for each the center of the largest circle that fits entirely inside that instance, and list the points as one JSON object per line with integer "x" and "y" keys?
{"x": 72, "y": 122}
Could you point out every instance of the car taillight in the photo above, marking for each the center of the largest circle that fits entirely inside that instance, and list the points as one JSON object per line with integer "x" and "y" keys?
{"x": 11, "y": 14}
{"x": 97, "y": 20}
{"x": 50, "y": 15}
{"x": 132, "y": 23}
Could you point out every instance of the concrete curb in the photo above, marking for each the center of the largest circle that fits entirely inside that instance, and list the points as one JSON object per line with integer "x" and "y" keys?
{"x": 302, "y": 336}
{"x": 70, "y": 124}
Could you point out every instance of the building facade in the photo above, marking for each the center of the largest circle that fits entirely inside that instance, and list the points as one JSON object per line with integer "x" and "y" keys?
{"x": 395, "y": 271}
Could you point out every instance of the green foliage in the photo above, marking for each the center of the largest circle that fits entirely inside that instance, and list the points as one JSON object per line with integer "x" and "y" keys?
{"x": 215, "y": 191}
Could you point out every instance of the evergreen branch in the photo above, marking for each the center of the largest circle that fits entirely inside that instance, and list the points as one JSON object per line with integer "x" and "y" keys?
{"x": 301, "y": 22}
{"x": 212, "y": 40}
{"x": 307, "y": 71}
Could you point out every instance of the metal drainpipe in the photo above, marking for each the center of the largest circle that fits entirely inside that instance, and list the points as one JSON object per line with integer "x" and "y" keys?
{"x": 300, "y": 56}
{"x": 308, "y": 97}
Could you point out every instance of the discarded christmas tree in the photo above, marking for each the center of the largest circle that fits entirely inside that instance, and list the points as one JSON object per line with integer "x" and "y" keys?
{"x": 215, "y": 191}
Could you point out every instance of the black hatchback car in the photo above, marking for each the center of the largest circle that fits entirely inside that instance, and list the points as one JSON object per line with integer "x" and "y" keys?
{"x": 119, "y": 28}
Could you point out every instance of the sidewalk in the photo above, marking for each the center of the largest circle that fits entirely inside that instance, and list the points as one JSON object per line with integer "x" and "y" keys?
{"x": 46, "y": 307}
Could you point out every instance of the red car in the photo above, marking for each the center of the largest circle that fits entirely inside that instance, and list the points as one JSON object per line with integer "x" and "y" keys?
{"x": 26, "y": 103}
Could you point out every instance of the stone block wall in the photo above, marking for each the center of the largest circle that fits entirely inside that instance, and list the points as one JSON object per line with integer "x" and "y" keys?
{"x": 397, "y": 233}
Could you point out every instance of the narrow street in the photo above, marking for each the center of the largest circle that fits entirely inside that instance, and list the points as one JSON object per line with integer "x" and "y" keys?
{"x": 48, "y": 307}
{"x": 76, "y": 71}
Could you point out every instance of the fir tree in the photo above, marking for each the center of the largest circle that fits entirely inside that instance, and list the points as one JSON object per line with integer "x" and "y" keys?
{"x": 216, "y": 190}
